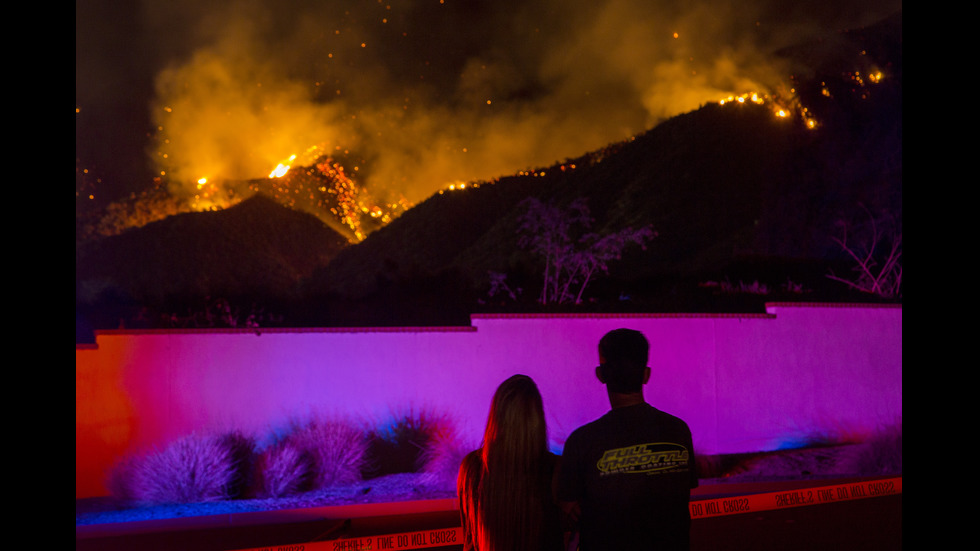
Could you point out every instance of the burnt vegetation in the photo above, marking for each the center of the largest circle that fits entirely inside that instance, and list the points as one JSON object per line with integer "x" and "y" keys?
{"x": 746, "y": 208}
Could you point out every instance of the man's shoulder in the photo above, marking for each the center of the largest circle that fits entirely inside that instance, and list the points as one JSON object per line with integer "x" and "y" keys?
{"x": 598, "y": 427}
{"x": 642, "y": 412}
{"x": 629, "y": 419}
{"x": 664, "y": 417}
{"x": 586, "y": 429}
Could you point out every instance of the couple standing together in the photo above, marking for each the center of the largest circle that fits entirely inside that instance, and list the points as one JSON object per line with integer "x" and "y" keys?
{"x": 622, "y": 482}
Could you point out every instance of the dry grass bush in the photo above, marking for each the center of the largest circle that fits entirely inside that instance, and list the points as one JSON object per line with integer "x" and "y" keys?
{"x": 400, "y": 444}
{"x": 442, "y": 458}
{"x": 196, "y": 468}
{"x": 802, "y": 463}
{"x": 243, "y": 454}
{"x": 283, "y": 469}
{"x": 716, "y": 466}
{"x": 317, "y": 453}
{"x": 826, "y": 454}
{"x": 880, "y": 454}
{"x": 337, "y": 448}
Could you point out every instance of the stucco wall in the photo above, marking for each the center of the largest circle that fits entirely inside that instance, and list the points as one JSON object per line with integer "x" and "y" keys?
{"x": 742, "y": 382}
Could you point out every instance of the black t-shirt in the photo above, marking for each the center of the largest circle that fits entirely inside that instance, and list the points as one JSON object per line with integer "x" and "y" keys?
{"x": 632, "y": 471}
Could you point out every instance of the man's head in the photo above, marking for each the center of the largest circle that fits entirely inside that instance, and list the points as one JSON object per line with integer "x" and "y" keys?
{"x": 623, "y": 355}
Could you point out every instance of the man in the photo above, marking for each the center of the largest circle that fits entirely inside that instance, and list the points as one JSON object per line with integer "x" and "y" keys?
{"x": 626, "y": 478}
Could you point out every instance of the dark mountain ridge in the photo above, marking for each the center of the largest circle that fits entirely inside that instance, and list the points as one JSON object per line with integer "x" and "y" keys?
{"x": 257, "y": 250}
{"x": 734, "y": 193}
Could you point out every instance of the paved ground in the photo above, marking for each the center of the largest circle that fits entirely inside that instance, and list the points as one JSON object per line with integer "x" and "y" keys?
{"x": 873, "y": 523}
{"x": 863, "y": 525}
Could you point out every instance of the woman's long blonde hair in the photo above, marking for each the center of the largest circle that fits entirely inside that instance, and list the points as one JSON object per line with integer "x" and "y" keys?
{"x": 515, "y": 487}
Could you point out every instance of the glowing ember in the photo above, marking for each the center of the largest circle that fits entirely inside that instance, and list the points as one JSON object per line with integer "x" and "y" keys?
{"x": 752, "y": 97}
{"x": 779, "y": 110}
{"x": 326, "y": 189}
{"x": 208, "y": 196}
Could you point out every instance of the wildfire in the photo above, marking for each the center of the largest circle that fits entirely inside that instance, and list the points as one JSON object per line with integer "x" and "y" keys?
{"x": 862, "y": 80}
{"x": 282, "y": 168}
{"x": 873, "y": 78}
{"x": 753, "y": 97}
{"x": 209, "y": 196}
{"x": 314, "y": 182}
{"x": 328, "y": 190}
{"x": 317, "y": 181}
{"x": 779, "y": 110}
{"x": 459, "y": 185}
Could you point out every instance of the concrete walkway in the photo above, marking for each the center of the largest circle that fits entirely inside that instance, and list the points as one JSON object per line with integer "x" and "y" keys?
{"x": 874, "y": 523}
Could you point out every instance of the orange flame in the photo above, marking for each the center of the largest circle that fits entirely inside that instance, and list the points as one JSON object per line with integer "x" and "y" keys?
{"x": 780, "y": 111}
{"x": 282, "y": 168}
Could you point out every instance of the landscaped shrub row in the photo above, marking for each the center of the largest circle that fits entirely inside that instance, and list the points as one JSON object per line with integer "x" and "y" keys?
{"x": 322, "y": 452}
{"x": 317, "y": 453}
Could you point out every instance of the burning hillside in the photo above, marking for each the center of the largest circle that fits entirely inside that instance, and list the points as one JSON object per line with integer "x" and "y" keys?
{"x": 325, "y": 188}
{"x": 383, "y": 103}
{"x": 322, "y": 184}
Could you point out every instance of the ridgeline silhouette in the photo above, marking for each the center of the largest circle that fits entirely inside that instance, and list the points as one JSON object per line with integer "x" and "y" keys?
{"x": 746, "y": 206}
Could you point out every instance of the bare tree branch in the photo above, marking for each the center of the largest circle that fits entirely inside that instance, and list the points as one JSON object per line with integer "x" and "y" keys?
{"x": 882, "y": 278}
{"x": 569, "y": 263}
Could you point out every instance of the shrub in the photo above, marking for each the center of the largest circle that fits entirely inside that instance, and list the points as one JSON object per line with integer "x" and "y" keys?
{"x": 880, "y": 454}
{"x": 441, "y": 459}
{"x": 710, "y": 466}
{"x": 400, "y": 443}
{"x": 284, "y": 469}
{"x": 193, "y": 469}
{"x": 337, "y": 449}
{"x": 242, "y": 451}
{"x": 798, "y": 463}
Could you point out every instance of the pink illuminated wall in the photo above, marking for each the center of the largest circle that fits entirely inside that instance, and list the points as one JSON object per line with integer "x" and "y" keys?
{"x": 742, "y": 382}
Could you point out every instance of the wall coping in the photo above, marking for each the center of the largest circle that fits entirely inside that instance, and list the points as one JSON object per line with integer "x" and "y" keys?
{"x": 480, "y": 316}
{"x": 259, "y": 330}
{"x": 623, "y": 315}
{"x": 833, "y": 305}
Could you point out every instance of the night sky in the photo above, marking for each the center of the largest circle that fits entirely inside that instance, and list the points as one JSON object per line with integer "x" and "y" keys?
{"x": 415, "y": 94}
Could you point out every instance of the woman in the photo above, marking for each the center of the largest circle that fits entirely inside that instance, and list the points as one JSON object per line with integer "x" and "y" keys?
{"x": 505, "y": 488}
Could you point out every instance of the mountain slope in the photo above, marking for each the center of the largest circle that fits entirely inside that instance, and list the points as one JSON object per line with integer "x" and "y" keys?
{"x": 734, "y": 193}
{"x": 256, "y": 250}
{"x": 725, "y": 187}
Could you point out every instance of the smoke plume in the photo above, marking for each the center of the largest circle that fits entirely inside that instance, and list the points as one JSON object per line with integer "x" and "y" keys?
{"x": 420, "y": 93}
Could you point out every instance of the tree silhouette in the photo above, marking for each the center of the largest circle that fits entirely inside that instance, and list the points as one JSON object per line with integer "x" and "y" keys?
{"x": 876, "y": 254}
{"x": 570, "y": 263}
